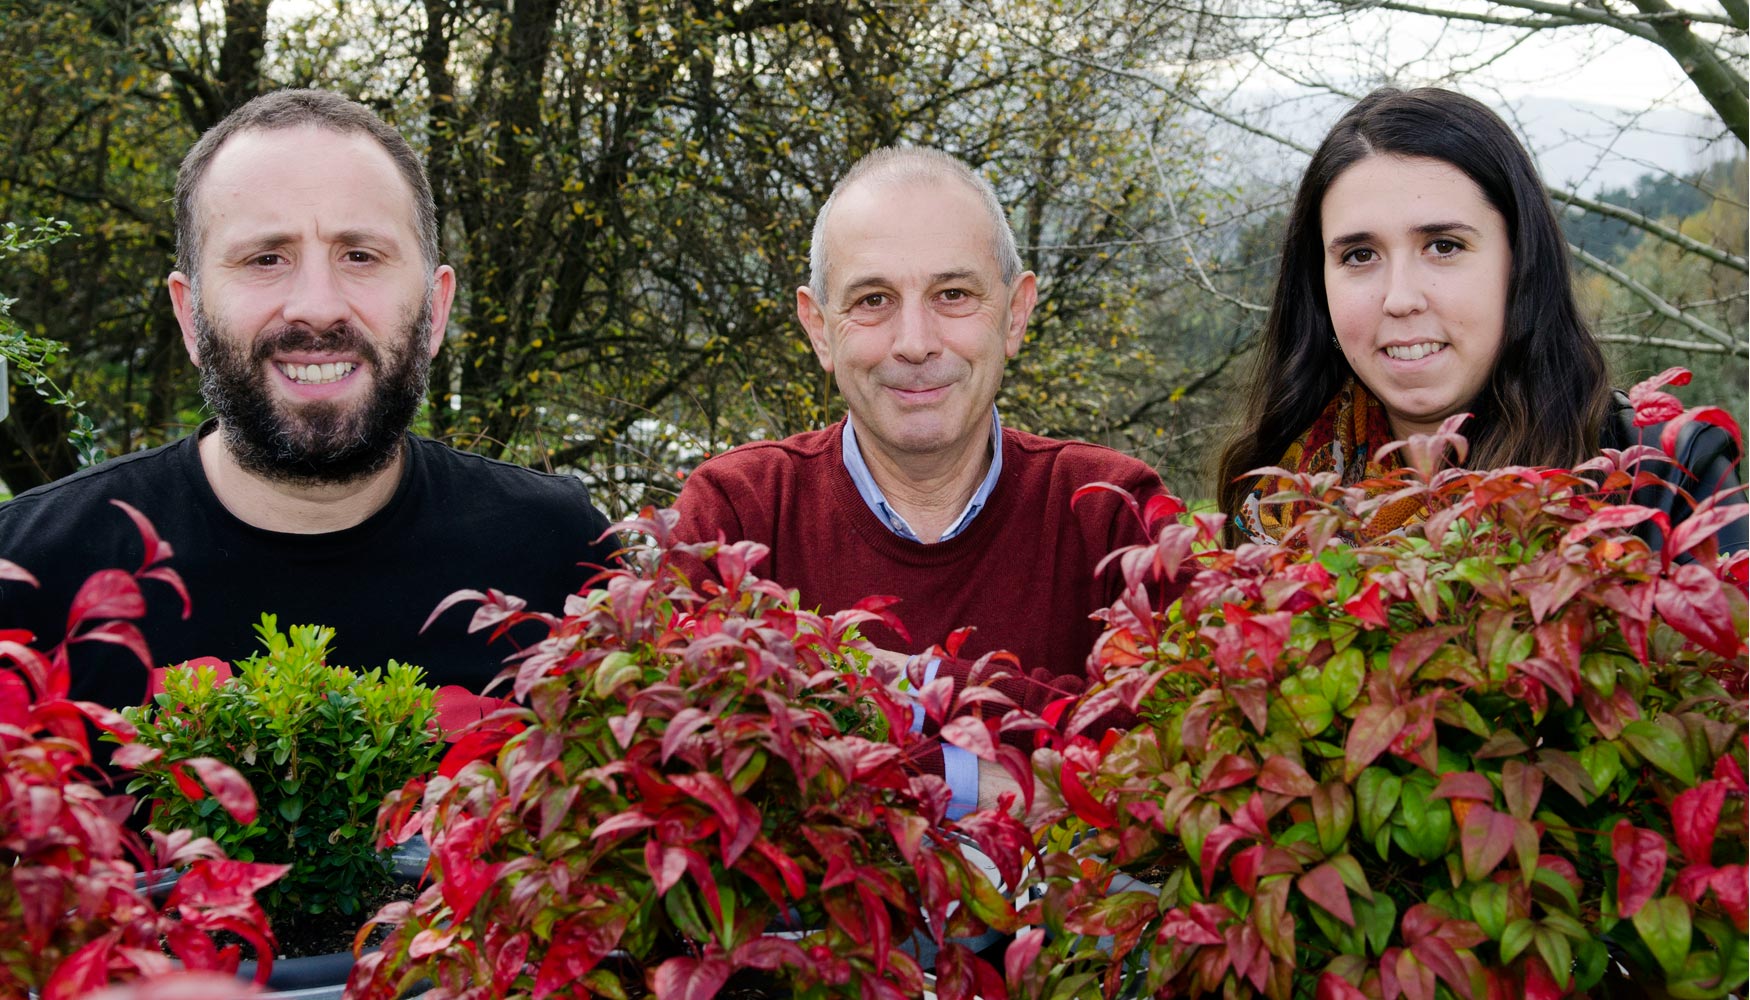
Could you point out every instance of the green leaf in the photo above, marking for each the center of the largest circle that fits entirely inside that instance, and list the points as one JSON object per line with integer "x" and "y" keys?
{"x": 1558, "y": 954}
{"x": 1488, "y": 907}
{"x": 1376, "y": 793}
{"x": 1662, "y": 748}
{"x": 1311, "y": 712}
{"x": 1516, "y": 939}
{"x": 1664, "y": 927}
{"x": 1342, "y": 678}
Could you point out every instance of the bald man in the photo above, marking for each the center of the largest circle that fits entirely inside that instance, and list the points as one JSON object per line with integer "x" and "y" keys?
{"x": 915, "y": 303}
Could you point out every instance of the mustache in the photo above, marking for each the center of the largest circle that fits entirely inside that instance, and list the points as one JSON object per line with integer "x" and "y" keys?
{"x": 342, "y": 338}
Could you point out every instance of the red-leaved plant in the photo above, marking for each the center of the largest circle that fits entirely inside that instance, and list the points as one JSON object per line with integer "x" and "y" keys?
{"x": 71, "y": 918}
{"x": 688, "y": 784}
{"x": 1500, "y": 753}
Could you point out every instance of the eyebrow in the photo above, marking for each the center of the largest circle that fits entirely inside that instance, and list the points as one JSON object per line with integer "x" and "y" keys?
{"x": 1426, "y": 229}
{"x": 346, "y": 237}
{"x": 856, "y": 287}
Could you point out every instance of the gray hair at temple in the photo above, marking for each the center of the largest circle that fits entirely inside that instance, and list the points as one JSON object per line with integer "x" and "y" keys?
{"x": 902, "y": 165}
{"x": 284, "y": 109}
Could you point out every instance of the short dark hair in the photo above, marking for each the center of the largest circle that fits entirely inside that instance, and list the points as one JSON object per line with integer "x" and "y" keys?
{"x": 1549, "y": 390}
{"x": 283, "y": 109}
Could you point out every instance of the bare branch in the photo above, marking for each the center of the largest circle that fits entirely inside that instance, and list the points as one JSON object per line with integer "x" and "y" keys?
{"x": 1649, "y": 225}
{"x": 1692, "y": 346}
{"x": 1658, "y": 303}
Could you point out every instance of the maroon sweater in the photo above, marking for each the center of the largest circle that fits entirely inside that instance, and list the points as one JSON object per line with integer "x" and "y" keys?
{"x": 1021, "y": 573}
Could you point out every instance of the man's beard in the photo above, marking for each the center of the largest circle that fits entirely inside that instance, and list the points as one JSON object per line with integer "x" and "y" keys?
{"x": 313, "y": 443}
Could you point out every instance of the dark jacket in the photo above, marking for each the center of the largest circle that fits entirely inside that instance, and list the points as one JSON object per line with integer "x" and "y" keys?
{"x": 1706, "y": 463}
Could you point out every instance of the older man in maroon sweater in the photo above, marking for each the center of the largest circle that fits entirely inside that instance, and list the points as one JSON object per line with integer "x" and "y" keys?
{"x": 916, "y": 299}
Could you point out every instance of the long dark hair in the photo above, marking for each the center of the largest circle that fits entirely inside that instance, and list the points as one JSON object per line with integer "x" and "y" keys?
{"x": 1549, "y": 390}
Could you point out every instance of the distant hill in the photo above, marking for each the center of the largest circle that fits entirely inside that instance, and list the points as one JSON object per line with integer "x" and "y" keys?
{"x": 1587, "y": 147}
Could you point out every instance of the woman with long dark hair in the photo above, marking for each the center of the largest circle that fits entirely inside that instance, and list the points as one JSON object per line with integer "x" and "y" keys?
{"x": 1423, "y": 274}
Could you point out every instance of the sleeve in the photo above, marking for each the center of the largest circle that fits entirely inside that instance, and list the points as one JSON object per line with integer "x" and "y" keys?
{"x": 706, "y": 511}
{"x": 1713, "y": 469}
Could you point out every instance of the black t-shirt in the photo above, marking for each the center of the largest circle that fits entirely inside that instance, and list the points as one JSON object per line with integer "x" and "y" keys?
{"x": 456, "y": 521}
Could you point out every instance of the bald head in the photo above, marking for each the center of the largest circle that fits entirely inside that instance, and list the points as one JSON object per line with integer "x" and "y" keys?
{"x": 901, "y": 167}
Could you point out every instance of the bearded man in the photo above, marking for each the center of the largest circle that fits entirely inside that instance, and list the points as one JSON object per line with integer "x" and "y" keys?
{"x": 310, "y": 295}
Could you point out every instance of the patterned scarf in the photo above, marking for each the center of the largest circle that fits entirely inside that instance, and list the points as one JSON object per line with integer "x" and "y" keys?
{"x": 1344, "y": 439}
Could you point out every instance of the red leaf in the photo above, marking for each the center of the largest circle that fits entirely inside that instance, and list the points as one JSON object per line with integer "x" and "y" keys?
{"x": 1372, "y": 731}
{"x": 157, "y": 550}
{"x": 1285, "y": 776}
{"x": 1464, "y": 785}
{"x": 1215, "y": 845}
{"x": 106, "y": 594}
{"x": 10, "y": 570}
{"x": 1230, "y": 770}
{"x": 1703, "y": 523}
{"x": 1335, "y": 987}
{"x": 1653, "y": 406}
{"x": 457, "y": 708}
{"x": 684, "y": 978}
{"x": 1539, "y": 984}
{"x": 1086, "y": 807}
{"x": 1484, "y": 838}
{"x": 1695, "y": 814}
{"x": 118, "y": 633}
{"x": 1617, "y": 518}
{"x": 1706, "y": 414}
{"x": 1692, "y": 601}
{"x": 474, "y": 746}
{"x": 1324, "y": 886}
{"x": 1640, "y": 857}
{"x": 1367, "y": 607}
{"x": 229, "y": 787}
{"x": 1022, "y": 951}
{"x": 578, "y": 945}
{"x": 970, "y": 733}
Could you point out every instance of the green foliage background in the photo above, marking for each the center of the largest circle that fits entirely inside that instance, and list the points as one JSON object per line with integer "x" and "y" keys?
{"x": 627, "y": 189}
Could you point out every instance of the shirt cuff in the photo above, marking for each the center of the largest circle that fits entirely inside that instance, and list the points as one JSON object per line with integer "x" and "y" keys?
{"x": 960, "y": 769}
{"x": 917, "y": 710}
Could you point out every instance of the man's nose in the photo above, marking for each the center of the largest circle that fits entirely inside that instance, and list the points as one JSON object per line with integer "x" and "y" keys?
{"x": 1404, "y": 292}
{"x": 314, "y": 299}
{"x": 917, "y": 340}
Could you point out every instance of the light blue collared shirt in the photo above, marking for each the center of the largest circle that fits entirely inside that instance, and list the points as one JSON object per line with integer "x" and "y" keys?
{"x": 877, "y": 501}
{"x": 959, "y": 767}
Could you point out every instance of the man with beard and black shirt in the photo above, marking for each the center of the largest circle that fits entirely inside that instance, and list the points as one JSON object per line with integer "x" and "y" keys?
{"x": 311, "y": 298}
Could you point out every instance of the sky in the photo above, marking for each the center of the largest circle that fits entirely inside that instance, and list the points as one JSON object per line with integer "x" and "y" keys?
{"x": 1597, "y": 107}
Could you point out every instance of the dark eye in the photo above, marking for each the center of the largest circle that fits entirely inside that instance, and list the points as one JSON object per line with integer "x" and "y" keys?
{"x": 954, "y": 294}
{"x": 360, "y": 256}
{"x": 873, "y": 301}
{"x": 266, "y": 259}
{"x": 1445, "y": 248}
{"x": 1359, "y": 255}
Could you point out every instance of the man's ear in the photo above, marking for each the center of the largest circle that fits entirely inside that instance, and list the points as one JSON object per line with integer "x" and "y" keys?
{"x": 443, "y": 296}
{"x": 183, "y": 303}
{"x": 1022, "y": 298}
{"x": 813, "y": 318}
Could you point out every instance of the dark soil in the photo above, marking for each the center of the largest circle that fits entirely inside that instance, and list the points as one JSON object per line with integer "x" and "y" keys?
{"x": 305, "y": 934}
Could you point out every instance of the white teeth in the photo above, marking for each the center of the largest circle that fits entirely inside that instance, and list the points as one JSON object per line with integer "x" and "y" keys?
{"x": 1414, "y": 352}
{"x": 318, "y": 374}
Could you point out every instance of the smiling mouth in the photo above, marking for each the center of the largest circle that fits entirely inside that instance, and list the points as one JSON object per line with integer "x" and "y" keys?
{"x": 317, "y": 374}
{"x": 1413, "y": 352}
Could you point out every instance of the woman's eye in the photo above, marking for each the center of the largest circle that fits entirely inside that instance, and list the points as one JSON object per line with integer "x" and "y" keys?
{"x": 1360, "y": 255}
{"x": 1445, "y": 248}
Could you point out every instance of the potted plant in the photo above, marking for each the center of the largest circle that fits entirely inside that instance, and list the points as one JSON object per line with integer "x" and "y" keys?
{"x": 322, "y": 745}
{"x": 1499, "y": 753}
{"x": 691, "y": 783}
{"x": 71, "y": 917}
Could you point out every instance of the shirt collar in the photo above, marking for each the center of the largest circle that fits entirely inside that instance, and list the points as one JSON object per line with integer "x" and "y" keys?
{"x": 877, "y": 501}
